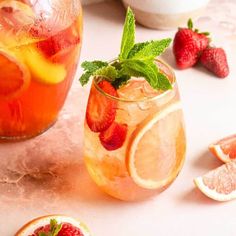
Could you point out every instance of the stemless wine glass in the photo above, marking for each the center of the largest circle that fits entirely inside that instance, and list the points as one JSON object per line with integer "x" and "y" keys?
{"x": 40, "y": 45}
{"x": 141, "y": 149}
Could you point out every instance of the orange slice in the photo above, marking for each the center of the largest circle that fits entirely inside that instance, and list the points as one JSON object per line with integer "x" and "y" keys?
{"x": 14, "y": 76}
{"x": 225, "y": 149}
{"x": 219, "y": 184}
{"x": 157, "y": 147}
{"x": 41, "y": 222}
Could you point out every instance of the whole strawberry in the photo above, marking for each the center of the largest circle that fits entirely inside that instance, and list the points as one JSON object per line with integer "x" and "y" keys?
{"x": 215, "y": 60}
{"x": 188, "y": 46}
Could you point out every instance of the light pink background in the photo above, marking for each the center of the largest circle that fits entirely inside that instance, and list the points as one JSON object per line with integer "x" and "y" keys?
{"x": 46, "y": 175}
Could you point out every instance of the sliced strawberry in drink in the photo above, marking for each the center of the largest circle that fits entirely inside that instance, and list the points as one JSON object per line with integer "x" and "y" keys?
{"x": 58, "y": 42}
{"x": 14, "y": 76}
{"x": 101, "y": 110}
{"x": 114, "y": 137}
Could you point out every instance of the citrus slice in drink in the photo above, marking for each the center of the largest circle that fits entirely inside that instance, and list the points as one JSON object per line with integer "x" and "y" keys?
{"x": 219, "y": 184}
{"x": 50, "y": 225}
{"x": 42, "y": 68}
{"x": 156, "y": 148}
{"x": 14, "y": 76}
{"x": 225, "y": 149}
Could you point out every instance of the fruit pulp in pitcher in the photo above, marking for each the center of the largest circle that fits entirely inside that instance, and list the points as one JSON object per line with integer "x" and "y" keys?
{"x": 38, "y": 69}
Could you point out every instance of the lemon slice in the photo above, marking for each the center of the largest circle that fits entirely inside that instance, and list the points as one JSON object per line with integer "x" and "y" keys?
{"x": 156, "y": 150}
{"x": 30, "y": 227}
{"x": 42, "y": 69}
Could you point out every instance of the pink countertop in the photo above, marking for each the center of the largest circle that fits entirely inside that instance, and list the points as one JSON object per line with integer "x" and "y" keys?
{"x": 46, "y": 175}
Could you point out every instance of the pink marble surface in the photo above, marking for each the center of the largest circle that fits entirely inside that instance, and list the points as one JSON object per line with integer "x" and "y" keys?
{"x": 46, "y": 175}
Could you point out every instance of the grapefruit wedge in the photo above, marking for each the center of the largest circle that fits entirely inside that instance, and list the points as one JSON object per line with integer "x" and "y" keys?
{"x": 156, "y": 149}
{"x": 14, "y": 76}
{"x": 225, "y": 149}
{"x": 219, "y": 184}
{"x": 56, "y": 225}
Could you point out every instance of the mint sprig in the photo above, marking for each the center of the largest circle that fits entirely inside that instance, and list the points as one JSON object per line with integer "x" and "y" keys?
{"x": 135, "y": 60}
{"x": 54, "y": 229}
{"x": 128, "y": 38}
{"x": 90, "y": 68}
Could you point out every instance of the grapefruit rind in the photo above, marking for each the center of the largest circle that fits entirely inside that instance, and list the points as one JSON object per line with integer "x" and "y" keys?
{"x": 211, "y": 193}
{"x": 31, "y": 226}
{"x": 218, "y": 152}
{"x": 149, "y": 184}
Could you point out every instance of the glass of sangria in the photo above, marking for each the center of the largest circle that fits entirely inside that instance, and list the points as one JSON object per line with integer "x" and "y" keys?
{"x": 40, "y": 45}
{"x": 134, "y": 144}
{"x": 142, "y": 150}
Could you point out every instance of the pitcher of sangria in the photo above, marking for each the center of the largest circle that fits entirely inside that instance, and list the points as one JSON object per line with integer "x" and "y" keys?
{"x": 134, "y": 144}
{"x": 40, "y": 45}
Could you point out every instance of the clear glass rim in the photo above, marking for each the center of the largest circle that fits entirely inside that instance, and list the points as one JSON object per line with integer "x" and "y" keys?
{"x": 145, "y": 99}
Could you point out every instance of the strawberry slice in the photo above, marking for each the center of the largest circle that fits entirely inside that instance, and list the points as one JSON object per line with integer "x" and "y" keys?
{"x": 101, "y": 110}
{"x": 58, "y": 42}
{"x": 114, "y": 137}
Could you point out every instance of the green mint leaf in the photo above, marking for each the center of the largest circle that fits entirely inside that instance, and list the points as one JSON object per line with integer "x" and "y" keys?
{"x": 190, "y": 23}
{"x": 53, "y": 224}
{"x": 54, "y": 228}
{"x": 146, "y": 69}
{"x": 128, "y": 37}
{"x": 122, "y": 80}
{"x": 109, "y": 72}
{"x": 90, "y": 68}
{"x": 93, "y": 65}
{"x": 42, "y": 234}
{"x": 164, "y": 83}
{"x": 84, "y": 79}
{"x": 152, "y": 49}
{"x": 57, "y": 230}
{"x": 136, "y": 48}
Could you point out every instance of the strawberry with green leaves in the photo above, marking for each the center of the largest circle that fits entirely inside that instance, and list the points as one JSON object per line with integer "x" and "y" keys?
{"x": 134, "y": 60}
{"x": 189, "y": 45}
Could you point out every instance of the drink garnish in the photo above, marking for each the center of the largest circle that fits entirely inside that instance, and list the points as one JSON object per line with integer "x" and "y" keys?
{"x": 54, "y": 229}
{"x": 135, "y": 59}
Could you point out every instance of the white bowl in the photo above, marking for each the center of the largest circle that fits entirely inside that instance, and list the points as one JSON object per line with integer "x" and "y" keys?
{"x": 166, "y": 14}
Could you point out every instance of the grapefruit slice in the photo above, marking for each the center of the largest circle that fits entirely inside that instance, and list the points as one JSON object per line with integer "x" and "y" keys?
{"x": 219, "y": 184}
{"x": 44, "y": 223}
{"x": 156, "y": 150}
{"x": 14, "y": 76}
{"x": 225, "y": 149}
